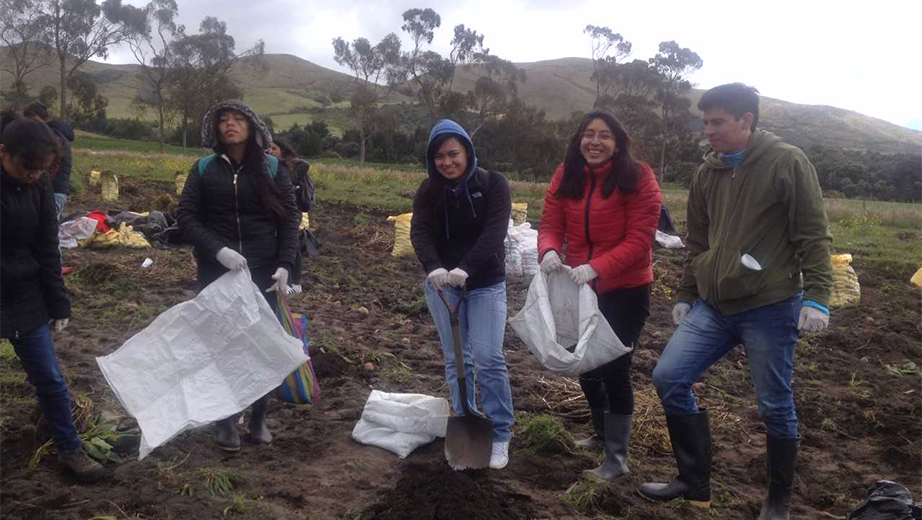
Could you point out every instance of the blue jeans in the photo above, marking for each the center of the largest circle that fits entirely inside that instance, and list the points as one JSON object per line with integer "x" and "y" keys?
{"x": 769, "y": 334}
{"x": 59, "y": 200}
{"x": 483, "y": 324}
{"x": 36, "y": 352}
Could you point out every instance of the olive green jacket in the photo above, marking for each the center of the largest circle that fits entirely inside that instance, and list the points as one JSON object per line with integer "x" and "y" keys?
{"x": 770, "y": 207}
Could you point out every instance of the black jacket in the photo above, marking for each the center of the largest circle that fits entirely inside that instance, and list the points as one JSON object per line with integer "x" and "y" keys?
{"x": 61, "y": 176}
{"x": 31, "y": 286}
{"x": 463, "y": 228}
{"x": 212, "y": 215}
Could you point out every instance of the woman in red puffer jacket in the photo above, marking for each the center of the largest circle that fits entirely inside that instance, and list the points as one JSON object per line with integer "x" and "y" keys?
{"x": 605, "y": 206}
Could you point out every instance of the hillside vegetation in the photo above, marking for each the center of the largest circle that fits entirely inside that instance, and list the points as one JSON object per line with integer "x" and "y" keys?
{"x": 294, "y": 90}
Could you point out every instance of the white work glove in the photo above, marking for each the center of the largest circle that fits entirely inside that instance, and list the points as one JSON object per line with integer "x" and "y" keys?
{"x": 679, "y": 312}
{"x": 439, "y": 278}
{"x": 550, "y": 262}
{"x": 582, "y": 274}
{"x": 231, "y": 259}
{"x": 812, "y": 319}
{"x": 61, "y": 324}
{"x": 281, "y": 281}
{"x": 457, "y": 277}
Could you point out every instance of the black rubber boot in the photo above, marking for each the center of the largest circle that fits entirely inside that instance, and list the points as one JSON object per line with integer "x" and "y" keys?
{"x": 617, "y": 438}
{"x": 782, "y": 456}
{"x": 691, "y": 443}
{"x": 595, "y": 441}
{"x": 227, "y": 437}
{"x": 259, "y": 434}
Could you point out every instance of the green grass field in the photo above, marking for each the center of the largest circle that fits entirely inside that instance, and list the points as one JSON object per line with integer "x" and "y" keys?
{"x": 884, "y": 235}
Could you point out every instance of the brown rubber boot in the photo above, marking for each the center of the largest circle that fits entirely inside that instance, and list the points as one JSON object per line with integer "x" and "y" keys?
{"x": 82, "y": 466}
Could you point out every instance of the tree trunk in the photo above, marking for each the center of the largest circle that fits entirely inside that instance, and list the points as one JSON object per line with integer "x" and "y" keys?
{"x": 62, "y": 58}
{"x": 662, "y": 152}
{"x": 160, "y": 114}
{"x": 361, "y": 141}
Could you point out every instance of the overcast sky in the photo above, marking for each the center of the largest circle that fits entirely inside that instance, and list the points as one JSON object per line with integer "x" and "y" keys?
{"x": 861, "y": 56}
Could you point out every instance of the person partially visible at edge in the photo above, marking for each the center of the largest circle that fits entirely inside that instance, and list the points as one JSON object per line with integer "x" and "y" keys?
{"x": 605, "y": 206}
{"x": 460, "y": 217}
{"x": 240, "y": 214}
{"x": 758, "y": 272}
{"x": 60, "y": 169}
{"x": 33, "y": 299}
{"x": 298, "y": 169}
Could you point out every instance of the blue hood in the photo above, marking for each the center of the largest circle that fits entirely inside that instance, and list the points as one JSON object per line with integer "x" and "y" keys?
{"x": 62, "y": 128}
{"x": 447, "y": 126}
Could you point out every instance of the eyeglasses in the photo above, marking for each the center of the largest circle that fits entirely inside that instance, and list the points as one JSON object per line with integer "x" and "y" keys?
{"x": 602, "y": 136}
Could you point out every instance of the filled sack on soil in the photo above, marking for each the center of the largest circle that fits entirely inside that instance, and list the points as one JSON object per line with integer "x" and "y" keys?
{"x": 402, "y": 244}
{"x": 846, "y": 291}
{"x": 917, "y": 278}
{"x": 519, "y": 213}
{"x": 887, "y": 501}
{"x": 202, "y": 360}
{"x": 563, "y": 327}
{"x": 521, "y": 247}
{"x": 400, "y": 423}
{"x": 668, "y": 241}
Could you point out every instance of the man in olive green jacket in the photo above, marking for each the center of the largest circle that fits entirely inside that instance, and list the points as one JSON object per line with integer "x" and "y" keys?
{"x": 757, "y": 272}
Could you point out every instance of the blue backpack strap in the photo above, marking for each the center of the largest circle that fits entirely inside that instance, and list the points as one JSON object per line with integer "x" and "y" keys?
{"x": 272, "y": 164}
{"x": 203, "y": 163}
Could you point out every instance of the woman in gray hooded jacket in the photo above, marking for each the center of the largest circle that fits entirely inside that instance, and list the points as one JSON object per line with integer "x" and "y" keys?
{"x": 238, "y": 209}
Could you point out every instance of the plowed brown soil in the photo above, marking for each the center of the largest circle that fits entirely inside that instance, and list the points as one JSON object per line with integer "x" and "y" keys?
{"x": 859, "y": 422}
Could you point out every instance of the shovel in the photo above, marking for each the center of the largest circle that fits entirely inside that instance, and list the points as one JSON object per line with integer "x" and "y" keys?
{"x": 468, "y": 438}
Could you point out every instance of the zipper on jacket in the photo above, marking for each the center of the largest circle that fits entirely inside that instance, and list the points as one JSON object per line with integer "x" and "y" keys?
{"x": 237, "y": 211}
{"x": 723, "y": 238}
{"x": 589, "y": 203}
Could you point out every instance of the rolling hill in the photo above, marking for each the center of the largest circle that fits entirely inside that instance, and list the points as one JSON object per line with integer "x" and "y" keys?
{"x": 292, "y": 86}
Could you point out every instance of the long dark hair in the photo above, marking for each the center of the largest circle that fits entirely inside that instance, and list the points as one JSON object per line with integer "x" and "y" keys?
{"x": 624, "y": 168}
{"x": 254, "y": 164}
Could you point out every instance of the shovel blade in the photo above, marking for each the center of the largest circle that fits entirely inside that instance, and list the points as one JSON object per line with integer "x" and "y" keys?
{"x": 468, "y": 442}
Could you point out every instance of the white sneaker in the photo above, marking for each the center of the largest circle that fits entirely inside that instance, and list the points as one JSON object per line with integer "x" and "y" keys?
{"x": 500, "y": 456}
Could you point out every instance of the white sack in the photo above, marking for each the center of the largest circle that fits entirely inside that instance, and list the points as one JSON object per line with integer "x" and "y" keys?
{"x": 400, "y": 423}
{"x": 559, "y": 314}
{"x": 202, "y": 360}
{"x": 523, "y": 240}
{"x": 668, "y": 241}
{"x": 77, "y": 229}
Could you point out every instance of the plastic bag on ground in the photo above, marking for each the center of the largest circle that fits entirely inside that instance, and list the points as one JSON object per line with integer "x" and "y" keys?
{"x": 201, "y": 361}
{"x": 668, "y": 241}
{"x": 560, "y": 314}
{"x": 78, "y": 229}
{"x": 125, "y": 236}
{"x": 887, "y": 501}
{"x": 402, "y": 244}
{"x": 846, "y": 291}
{"x": 400, "y": 423}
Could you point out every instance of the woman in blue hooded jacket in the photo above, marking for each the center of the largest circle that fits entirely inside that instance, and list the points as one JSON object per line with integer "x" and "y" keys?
{"x": 460, "y": 217}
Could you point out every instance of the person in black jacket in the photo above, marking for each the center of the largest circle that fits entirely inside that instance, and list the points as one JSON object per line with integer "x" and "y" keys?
{"x": 60, "y": 169}
{"x": 32, "y": 293}
{"x": 239, "y": 211}
{"x": 460, "y": 217}
{"x": 304, "y": 194}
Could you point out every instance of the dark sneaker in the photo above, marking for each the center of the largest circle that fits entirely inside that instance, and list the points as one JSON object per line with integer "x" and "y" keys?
{"x": 82, "y": 466}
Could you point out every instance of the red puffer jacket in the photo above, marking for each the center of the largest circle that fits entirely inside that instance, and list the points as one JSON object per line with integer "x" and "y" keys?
{"x": 614, "y": 235}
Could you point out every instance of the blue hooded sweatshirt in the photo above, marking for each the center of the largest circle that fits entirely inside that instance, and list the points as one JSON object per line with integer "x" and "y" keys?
{"x": 461, "y": 185}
